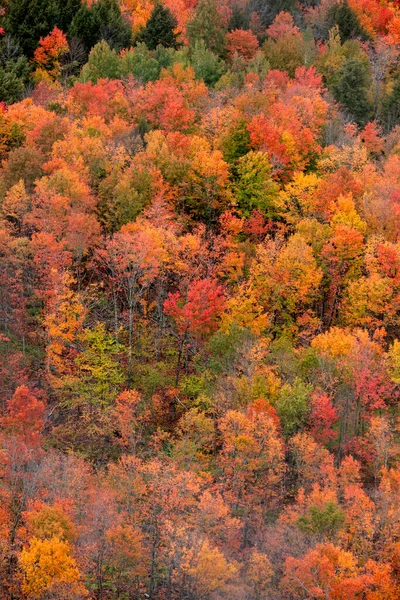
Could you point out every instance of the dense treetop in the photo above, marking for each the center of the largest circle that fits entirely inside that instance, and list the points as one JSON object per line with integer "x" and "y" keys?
{"x": 199, "y": 300}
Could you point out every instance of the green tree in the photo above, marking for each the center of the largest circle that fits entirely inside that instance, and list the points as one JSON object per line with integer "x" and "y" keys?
{"x": 255, "y": 189}
{"x": 240, "y": 18}
{"x": 206, "y": 25}
{"x": 101, "y": 21}
{"x": 326, "y": 520}
{"x": 100, "y": 374}
{"x": 28, "y": 20}
{"x": 206, "y": 65}
{"x": 390, "y": 110}
{"x": 236, "y": 143}
{"x": 103, "y": 63}
{"x": 286, "y": 53}
{"x": 68, "y": 10}
{"x": 292, "y": 406}
{"x": 87, "y": 397}
{"x": 159, "y": 29}
{"x": 141, "y": 63}
{"x": 342, "y": 15}
{"x": 352, "y": 89}
{"x": 14, "y": 71}
{"x": 258, "y": 65}
{"x": 84, "y": 27}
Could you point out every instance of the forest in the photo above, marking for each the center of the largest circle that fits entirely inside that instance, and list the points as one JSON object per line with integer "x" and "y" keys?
{"x": 199, "y": 300}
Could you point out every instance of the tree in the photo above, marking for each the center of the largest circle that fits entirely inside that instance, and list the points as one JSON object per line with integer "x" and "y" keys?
{"x": 207, "y": 25}
{"x": 390, "y": 111}
{"x": 160, "y": 29}
{"x": 103, "y": 63}
{"x": 285, "y": 282}
{"x": 49, "y": 568}
{"x": 242, "y": 42}
{"x": 196, "y": 313}
{"x": 208, "y": 569}
{"x": 128, "y": 558}
{"x": 251, "y": 463}
{"x": 323, "y": 417}
{"x": 100, "y": 21}
{"x": 292, "y": 406}
{"x": 14, "y": 71}
{"x": 26, "y": 21}
{"x": 282, "y": 26}
{"x": 48, "y": 54}
{"x": 342, "y": 15}
{"x": 141, "y": 63}
{"x": 63, "y": 322}
{"x": 134, "y": 258}
{"x": 21, "y": 439}
{"x": 323, "y": 521}
{"x": 254, "y": 186}
{"x": 352, "y": 89}
{"x": 259, "y": 573}
{"x": 206, "y": 65}
{"x": 328, "y": 569}
{"x": 100, "y": 375}
{"x": 15, "y": 205}
{"x": 25, "y": 416}
{"x": 268, "y": 11}
{"x": 46, "y": 521}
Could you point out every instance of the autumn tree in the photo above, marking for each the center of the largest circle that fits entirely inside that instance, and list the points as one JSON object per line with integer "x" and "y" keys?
{"x": 195, "y": 314}
{"x": 49, "y": 568}
{"x": 47, "y": 55}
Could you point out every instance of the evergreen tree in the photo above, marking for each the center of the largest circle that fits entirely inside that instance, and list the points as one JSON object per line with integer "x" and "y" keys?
{"x": 14, "y": 71}
{"x": 240, "y": 18}
{"x": 352, "y": 88}
{"x": 102, "y": 21}
{"x": 160, "y": 29}
{"x": 113, "y": 28}
{"x": 68, "y": 10}
{"x": 342, "y": 15}
{"x": 28, "y": 20}
{"x": 84, "y": 27}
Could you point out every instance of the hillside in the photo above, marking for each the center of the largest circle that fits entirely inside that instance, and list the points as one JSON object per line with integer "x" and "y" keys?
{"x": 199, "y": 300}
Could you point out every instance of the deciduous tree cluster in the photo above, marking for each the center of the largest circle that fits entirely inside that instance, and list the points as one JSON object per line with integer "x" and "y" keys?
{"x": 199, "y": 300}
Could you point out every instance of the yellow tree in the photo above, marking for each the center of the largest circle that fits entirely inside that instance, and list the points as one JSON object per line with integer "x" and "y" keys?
{"x": 63, "y": 324}
{"x": 208, "y": 569}
{"x": 50, "y": 571}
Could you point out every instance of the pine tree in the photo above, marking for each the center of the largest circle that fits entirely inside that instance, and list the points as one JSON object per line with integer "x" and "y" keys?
{"x": 102, "y": 21}
{"x": 27, "y": 21}
{"x": 351, "y": 90}
{"x": 160, "y": 29}
{"x": 342, "y": 15}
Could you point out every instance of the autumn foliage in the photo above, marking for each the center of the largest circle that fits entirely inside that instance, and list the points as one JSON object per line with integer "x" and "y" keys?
{"x": 199, "y": 300}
